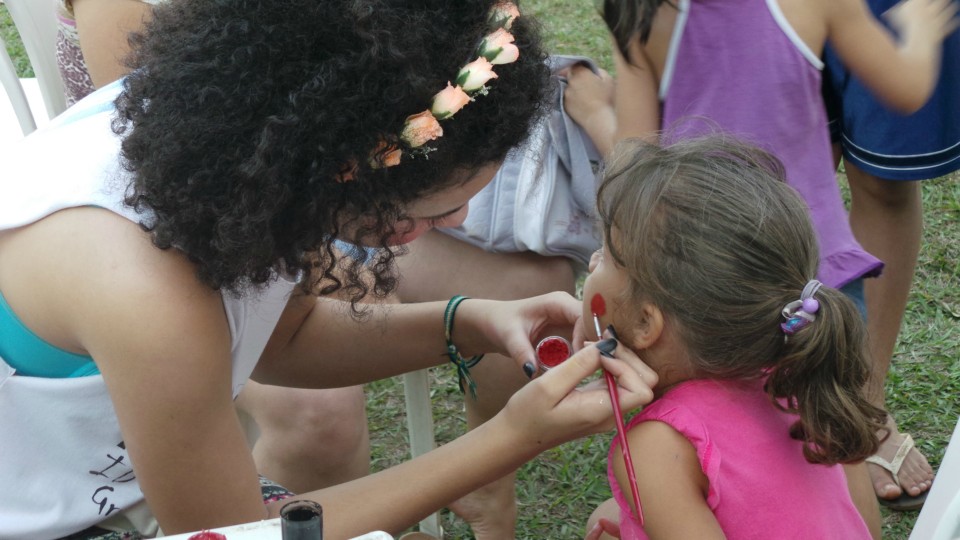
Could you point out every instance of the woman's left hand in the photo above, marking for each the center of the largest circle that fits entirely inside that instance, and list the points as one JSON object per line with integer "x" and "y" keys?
{"x": 512, "y": 328}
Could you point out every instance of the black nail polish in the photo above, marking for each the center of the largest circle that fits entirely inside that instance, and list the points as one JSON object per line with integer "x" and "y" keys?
{"x": 529, "y": 369}
{"x": 607, "y": 346}
{"x": 613, "y": 333}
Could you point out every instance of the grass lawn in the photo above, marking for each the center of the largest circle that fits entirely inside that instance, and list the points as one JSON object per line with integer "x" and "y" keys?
{"x": 558, "y": 490}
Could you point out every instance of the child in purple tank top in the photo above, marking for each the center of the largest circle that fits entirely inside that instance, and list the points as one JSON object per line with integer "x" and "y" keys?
{"x": 752, "y": 68}
{"x": 707, "y": 273}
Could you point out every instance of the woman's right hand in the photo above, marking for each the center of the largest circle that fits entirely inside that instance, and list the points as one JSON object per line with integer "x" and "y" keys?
{"x": 555, "y": 408}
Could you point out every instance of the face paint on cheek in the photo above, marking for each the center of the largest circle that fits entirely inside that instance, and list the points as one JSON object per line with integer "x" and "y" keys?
{"x": 598, "y": 307}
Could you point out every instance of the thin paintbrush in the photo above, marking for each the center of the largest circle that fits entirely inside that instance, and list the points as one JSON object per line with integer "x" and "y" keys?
{"x": 598, "y": 307}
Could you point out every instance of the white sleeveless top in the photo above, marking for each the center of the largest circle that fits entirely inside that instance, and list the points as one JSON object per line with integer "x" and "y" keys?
{"x": 63, "y": 465}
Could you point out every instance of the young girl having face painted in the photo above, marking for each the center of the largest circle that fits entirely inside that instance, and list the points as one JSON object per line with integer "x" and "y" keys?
{"x": 707, "y": 273}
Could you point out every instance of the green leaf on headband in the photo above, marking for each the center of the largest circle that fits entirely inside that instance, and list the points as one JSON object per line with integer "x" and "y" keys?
{"x": 491, "y": 54}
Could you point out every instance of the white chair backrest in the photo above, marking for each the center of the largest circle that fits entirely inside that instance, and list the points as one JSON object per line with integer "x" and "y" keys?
{"x": 36, "y": 21}
{"x": 15, "y": 93}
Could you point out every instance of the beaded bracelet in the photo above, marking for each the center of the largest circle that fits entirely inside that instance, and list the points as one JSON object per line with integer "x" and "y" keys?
{"x": 463, "y": 364}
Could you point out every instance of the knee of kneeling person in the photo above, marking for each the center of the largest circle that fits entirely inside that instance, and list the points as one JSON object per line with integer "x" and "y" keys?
{"x": 333, "y": 417}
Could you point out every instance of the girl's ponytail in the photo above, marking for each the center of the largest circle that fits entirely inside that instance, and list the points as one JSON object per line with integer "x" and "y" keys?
{"x": 821, "y": 375}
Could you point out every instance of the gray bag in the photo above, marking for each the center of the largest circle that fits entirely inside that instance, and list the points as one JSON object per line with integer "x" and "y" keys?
{"x": 543, "y": 198}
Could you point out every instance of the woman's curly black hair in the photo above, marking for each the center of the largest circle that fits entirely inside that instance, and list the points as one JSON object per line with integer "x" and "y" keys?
{"x": 240, "y": 114}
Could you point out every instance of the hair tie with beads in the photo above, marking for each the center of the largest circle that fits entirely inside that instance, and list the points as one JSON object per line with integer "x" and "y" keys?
{"x": 802, "y": 312}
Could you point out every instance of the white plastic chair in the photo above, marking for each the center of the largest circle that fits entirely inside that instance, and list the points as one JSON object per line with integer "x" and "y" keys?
{"x": 19, "y": 109}
{"x": 940, "y": 517}
{"x": 416, "y": 394}
{"x": 36, "y": 21}
{"x": 30, "y": 101}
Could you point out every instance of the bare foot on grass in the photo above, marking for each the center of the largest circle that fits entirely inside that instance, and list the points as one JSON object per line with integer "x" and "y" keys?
{"x": 491, "y": 511}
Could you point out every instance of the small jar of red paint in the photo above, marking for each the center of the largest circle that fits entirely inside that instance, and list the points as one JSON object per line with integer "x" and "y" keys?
{"x": 552, "y": 351}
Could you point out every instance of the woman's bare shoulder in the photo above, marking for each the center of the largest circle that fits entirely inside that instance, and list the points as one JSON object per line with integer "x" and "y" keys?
{"x": 78, "y": 271}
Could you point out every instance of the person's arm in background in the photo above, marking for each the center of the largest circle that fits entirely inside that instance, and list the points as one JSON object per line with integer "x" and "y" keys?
{"x": 636, "y": 100}
{"x": 901, "y": 72}
{"x": 588, "y": 99}
{"x": 103, "y": 27}
{"x": 612, "y": 111}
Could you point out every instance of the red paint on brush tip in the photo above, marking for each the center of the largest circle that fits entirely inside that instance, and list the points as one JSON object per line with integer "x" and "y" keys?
{"x": 598, "y": 306}
{"x": 552, "y": 351}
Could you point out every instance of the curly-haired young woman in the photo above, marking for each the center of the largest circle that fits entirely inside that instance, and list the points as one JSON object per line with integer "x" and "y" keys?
{"x": 306, "y": 438}
{"x": 197, "y": 212}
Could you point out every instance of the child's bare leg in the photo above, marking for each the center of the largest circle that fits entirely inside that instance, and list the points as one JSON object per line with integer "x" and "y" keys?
{"x": 439, "y": 267}
{"x": 491, "y": 510}
{"x": 887, "y": 219}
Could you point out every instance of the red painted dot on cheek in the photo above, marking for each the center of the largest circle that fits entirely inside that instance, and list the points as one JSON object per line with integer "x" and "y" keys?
{"x": 552, "y": 351}
{"x": 598, "y": 306}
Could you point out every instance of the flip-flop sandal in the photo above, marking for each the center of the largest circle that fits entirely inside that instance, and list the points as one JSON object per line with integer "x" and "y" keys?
{"x": 905, "y": 502}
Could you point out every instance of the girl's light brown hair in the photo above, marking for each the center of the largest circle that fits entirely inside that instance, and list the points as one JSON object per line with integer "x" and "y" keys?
{"x": 709, "y": 232}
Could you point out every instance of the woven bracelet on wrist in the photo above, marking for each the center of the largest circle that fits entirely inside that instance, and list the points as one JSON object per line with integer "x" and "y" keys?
{"x": 463, "y": 364}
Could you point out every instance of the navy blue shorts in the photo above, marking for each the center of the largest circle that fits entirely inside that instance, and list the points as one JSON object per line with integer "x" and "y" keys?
{"x": 889, "y": 145}
{"x": 854, "y": 291}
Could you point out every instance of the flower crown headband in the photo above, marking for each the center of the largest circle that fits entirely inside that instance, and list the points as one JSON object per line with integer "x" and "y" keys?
{"x": 496, "y": 48}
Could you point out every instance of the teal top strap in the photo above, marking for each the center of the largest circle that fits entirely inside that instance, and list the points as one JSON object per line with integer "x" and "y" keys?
{"x": 30, "y": 355}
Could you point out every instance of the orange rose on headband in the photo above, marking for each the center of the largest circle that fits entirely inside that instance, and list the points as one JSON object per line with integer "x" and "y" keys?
{"x": 448, "y": 101}
{"x": 385, "y": 155}
{"x": 504, "y": 13}
{"x": 498, "y": 48}
{"x": 474, "y": 76}
{"x": 420, "y": 128}
{"x": 348, "y": 172}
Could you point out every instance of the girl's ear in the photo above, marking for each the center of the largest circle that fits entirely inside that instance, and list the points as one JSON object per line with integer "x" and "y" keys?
{"x": 649, "y": 327}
